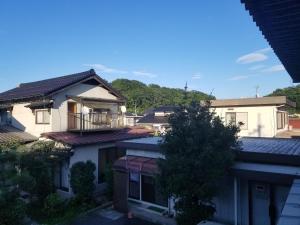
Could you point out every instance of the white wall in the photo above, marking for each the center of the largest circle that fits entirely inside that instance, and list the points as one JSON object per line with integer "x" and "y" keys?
{"x": 24, "y": 119}
{"x": 60, "y": 107}
{"x": 261, "y": 120}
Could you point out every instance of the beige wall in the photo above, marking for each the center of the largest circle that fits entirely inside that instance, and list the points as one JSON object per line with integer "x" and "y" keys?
{"x": 60, "y": 107}
{"x": 24, "y": 119}
{"x": 261, "y": 120}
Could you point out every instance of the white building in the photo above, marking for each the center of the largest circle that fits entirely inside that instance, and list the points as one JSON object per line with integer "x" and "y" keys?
{"x": 258, "y": 117}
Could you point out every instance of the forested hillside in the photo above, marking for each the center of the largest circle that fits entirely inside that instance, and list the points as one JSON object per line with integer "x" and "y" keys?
{"x": 293, "y": 93}
{"x": 146, "y": 96}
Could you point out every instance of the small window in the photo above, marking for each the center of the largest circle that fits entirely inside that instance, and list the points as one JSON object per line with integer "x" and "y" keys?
{"x": 42, "y": 117}
{"x": 237, "y": 118}
{"x": 281, "y": 120}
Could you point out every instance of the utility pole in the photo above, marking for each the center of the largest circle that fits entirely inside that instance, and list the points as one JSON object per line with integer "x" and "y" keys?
{"x": 185, "y": 91}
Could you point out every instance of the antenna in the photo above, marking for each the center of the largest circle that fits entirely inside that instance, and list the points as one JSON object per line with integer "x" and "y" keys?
{"x": 256, "y": 91}
{"x": 185, "y": 87}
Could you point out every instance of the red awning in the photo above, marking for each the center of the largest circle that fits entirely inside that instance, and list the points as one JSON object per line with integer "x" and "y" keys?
{"x": 137, "y": 164}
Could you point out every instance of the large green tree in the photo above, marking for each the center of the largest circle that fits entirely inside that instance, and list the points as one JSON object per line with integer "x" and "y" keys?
{"x": 141, "y": 97}
{"x": 198, "y": 153}
{"x": 293, "y": 93}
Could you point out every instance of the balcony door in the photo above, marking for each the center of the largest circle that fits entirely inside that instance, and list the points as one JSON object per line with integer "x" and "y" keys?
{"x": 72, "y": 110}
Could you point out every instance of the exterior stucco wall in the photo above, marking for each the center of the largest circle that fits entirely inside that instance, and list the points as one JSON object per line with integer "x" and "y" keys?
{"x": 60, "y": 107}
{"x": 24, "y": 119}
{"x": 262, "y": 120}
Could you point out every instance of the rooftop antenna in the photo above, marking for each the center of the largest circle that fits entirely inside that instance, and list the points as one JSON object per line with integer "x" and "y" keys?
{"x": 256, "y": 91}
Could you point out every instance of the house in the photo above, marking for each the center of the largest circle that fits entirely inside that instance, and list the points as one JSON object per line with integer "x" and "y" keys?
{"x": 258, "y": 117}
{"x": 131, "y": 119}
{"x": 157, "y": 118}
{"x": 80, "y": 112}
{"x": 262, "y": 187}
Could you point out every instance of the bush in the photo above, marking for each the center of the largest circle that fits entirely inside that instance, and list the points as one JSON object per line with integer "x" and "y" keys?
{"x": 54, "y": 205}
{"x": 82, "y": 180}
{"x": 12, "y": 210}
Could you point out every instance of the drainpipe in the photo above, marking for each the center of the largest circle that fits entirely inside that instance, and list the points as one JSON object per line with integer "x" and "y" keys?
{"x": 235, "y": 201}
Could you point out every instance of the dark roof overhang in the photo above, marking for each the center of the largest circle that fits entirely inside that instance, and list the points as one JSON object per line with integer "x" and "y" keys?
{"x": 279, "y": 22}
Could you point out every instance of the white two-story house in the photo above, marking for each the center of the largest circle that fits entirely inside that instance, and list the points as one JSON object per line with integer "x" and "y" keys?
{"x": 81, "y": 112}
{"x": 257, "y": 117}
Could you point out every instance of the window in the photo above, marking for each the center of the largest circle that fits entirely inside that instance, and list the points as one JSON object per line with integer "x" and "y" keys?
{"x": 281, "y": 120}
{"x": 42, "y": 117}
{"x": 238, "y": 119}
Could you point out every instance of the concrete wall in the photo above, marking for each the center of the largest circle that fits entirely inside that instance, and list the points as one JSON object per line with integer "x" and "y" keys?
{"x": 262, "y": 120}
{"x": 24, "y": 119}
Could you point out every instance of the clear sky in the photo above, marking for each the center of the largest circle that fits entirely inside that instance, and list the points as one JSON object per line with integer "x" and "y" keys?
{"x": 213, "y": 45}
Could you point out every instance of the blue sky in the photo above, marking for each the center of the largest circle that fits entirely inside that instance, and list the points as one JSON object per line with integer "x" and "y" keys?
{"x": 213, "y": 45}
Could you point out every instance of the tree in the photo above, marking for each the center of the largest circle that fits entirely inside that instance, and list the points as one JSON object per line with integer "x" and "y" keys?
{"x": 141, "y": 97}
{"x": 12, "y": 209}
{"x": 198, "y": 153}
{"x": 82, "y": 180}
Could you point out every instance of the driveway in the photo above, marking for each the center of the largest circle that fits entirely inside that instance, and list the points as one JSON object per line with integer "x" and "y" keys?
{"x": 108, "y": 217}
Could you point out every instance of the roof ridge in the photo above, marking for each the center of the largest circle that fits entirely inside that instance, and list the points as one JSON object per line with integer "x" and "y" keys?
{"x": 88, "y": 73}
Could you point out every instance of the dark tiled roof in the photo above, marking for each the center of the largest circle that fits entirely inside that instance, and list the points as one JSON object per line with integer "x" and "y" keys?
{"x": 45, "y": 88}
{"x": 75, "y": 139}
{"x": 151, "y": 118}
{"x": 8, "y": 133}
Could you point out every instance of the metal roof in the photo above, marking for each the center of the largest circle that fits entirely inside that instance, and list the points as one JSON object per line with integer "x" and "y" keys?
{"x": 279, "y": 22}
{"x": 290, "y": 214}
{"x": 284, "y": 146}
{"x": 261, "y": 101}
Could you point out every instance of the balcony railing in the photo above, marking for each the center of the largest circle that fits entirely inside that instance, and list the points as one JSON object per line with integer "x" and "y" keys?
{"x": 94, "y": 121}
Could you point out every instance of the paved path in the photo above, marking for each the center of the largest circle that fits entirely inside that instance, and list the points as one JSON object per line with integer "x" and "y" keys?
{"x": 108, "y": 217}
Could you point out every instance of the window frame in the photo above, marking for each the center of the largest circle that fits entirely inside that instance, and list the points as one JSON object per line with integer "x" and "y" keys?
{"x": 43, "y": 111}
{"x": 235, "y": 120}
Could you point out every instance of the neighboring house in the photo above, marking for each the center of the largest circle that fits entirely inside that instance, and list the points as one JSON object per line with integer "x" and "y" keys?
{"x": 81, "y": 112}
{"x": 157, "y": 118}
{"x": 11, "y": 134}
{"x": 259, "y": 117}
{"x": 262, "y": 187}
{"x": 131, "y": 119}
{"x": 76, "y": 102}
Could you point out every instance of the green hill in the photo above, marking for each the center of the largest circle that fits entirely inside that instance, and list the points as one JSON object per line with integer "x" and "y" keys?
{"x": 293, "y": 93}
{"x": 147, "y": 96}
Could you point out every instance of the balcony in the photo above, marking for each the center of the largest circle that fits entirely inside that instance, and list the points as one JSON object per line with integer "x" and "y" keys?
{"x": 94, "y": 121}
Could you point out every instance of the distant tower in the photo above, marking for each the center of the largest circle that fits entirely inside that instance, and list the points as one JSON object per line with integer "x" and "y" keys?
{"x": 256, "y": 91}
{"x": 185, "y": 91}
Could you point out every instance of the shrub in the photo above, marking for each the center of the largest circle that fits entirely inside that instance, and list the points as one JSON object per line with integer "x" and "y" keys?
{"x": 82, "y": 180}
{"x": 12, "y": 210}
{"x": 53, "y": 205}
